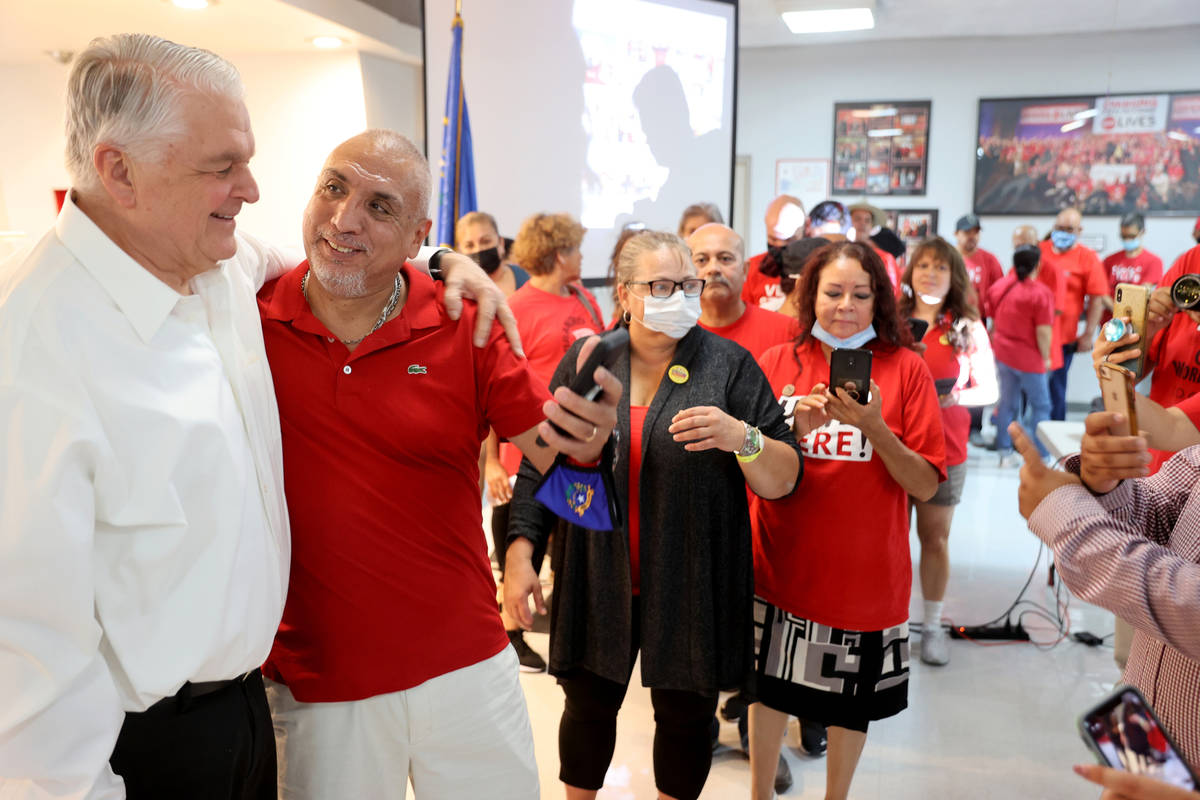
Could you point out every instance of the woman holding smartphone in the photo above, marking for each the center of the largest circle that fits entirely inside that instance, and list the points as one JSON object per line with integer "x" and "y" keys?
{"x": 674, "y": 581}
{"x": 936, "y": 289}
{"x": 832, "y": 568}
{"x": 831, "y": 579}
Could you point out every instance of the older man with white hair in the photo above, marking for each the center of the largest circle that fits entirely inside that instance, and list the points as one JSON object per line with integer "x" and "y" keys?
{"x": 144, "y": 544}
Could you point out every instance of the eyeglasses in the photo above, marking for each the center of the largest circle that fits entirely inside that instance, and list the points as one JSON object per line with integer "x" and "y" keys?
{"x": 663, "y": 288}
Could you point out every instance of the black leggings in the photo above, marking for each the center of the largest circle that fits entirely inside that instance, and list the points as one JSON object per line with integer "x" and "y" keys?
{"x": 587, "y": 733}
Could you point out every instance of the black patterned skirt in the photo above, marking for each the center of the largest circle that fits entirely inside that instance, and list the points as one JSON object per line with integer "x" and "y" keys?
{"x": 837, "y": 677}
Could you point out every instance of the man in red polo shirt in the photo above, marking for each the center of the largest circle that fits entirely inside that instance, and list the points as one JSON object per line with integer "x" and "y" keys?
{"x": 719, "y": 256}
{"x": 785, "y": 223}
{"x": 983, "y": 268}
{"x": 1081, "y": 281}
{"x": 391, "y": 662}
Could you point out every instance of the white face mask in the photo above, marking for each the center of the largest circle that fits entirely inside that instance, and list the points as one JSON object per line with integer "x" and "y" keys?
{"x": 850, "y": 342}
{"x": 673, "y": 316}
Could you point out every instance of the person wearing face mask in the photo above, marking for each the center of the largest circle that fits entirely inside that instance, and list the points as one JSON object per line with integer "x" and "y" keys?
{"x": 476, "y": 236}
{"x": 832, "y": 570}
{"x": 1132, "y": 263}
{"x": 936, "y": 288}
{"x": 674, "y": 580}
{"x": 1081, "y": 281}
{"x": 785, "y": 223}
{"x": 553, "y": 310}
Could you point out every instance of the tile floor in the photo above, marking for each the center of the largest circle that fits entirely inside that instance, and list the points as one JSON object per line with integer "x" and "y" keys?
{"x": 997, "y": 722}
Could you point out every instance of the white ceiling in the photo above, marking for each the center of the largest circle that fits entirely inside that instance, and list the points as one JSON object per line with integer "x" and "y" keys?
{"x": 761, "y": 26}
{"x": 32, "y": 27}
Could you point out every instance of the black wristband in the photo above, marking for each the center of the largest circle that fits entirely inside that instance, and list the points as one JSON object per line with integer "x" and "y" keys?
{"x": 435, "y": 269}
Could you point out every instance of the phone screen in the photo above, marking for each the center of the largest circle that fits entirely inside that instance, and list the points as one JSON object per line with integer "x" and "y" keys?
{"x": 1125, "y": 734}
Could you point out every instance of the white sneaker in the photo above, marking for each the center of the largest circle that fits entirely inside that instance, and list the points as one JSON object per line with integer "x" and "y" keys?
{"x": 935, "y": 645}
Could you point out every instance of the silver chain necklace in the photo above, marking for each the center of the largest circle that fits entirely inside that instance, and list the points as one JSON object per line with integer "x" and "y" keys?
{"x": 383, "y": 316}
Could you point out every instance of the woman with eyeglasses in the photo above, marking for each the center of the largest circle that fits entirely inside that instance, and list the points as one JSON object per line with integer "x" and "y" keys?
{"x": 832, "y": 568}
{"x": 674, "y": 580}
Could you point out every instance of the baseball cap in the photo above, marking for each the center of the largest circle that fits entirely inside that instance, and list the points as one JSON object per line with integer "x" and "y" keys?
{"x": 967, "y": 222}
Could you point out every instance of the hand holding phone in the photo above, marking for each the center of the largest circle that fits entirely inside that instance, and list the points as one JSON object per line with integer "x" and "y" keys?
{"x": 850, "y": 369}
{"x": 1124, "y": 733}
{"x": 604, "y": 354}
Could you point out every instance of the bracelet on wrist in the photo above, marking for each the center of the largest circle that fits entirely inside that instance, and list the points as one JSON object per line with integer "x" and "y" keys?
{"x": 752, "y": 446}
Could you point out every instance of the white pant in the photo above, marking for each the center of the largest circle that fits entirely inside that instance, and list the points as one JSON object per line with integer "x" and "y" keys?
{"x": 460, "y": 735}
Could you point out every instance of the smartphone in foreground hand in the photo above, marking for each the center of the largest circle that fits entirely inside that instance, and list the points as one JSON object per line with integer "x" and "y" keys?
{"x": 853, "y": 367}
{"x": 1124, "y": 733}
{"x": 1120, "y": 397}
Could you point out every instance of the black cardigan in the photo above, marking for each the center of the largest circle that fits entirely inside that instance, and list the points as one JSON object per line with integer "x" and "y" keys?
{"x": 697, "y": 568}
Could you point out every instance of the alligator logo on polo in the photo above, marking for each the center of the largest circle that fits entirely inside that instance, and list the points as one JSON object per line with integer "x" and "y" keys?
{"x": 417, "y": 369}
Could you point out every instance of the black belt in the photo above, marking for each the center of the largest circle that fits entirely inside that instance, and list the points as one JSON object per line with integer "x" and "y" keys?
{"x": 208, "y": 687}
{"x": 182, "y": 700}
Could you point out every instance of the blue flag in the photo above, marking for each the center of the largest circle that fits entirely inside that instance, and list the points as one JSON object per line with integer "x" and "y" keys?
{"x": 577, "y": 494}
{"x": 456, "y": 195}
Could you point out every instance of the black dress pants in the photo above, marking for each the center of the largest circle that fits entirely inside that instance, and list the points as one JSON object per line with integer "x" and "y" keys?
{"x": 218, "y": 746}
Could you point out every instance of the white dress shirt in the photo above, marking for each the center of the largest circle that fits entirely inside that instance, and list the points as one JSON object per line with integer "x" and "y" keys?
{"x": 143, "y": 528}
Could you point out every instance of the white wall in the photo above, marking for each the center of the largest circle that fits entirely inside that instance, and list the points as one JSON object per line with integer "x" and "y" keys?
{"x": 786, "y": 97}
{"x": 300, "y": 105}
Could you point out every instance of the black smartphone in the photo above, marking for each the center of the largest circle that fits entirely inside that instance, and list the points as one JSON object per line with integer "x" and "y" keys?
{"x": 944, "y": 386}
{"x": 918, "y": 327}
{"x": 604, "y": 354}
{"x": 1123, "y": 732}
{"x": 849, "y": 366}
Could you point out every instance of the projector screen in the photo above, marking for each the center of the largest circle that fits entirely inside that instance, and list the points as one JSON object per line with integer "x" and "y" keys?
{"x": 613, "y": 111}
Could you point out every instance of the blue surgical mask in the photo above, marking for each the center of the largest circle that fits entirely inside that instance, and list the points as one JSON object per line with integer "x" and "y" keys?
{"x": 1063, "y": 240}
{"x": 855, "y": 341}
{"x": 1131, "y": 245}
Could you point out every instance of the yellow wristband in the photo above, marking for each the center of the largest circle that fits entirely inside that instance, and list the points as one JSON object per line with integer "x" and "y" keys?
{"x": 748, "y": 459}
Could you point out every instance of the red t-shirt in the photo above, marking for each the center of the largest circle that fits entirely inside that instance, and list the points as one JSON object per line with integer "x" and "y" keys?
{"x": 944, "y": 362}
{"x": 836, "y": 550}
{"x": 550, "y": 323}
{"x": 759, "y": 289}
{"x": 1018, "y": 307}
{"x": 1175, "y": 352}
{"x": 984, "y": 269}
{"x": 1145, "y": 267}
{"x": 758, "y": 330}
{"x": 637, "y": 423}
{"x": 1082, "y": 275}
{"x": 390, "y": 581}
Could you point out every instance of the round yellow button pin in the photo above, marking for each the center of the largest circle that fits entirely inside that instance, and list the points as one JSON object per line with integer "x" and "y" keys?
{"x": 678, "y": 373}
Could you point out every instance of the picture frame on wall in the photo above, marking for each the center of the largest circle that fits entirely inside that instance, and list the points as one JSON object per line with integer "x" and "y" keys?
{"x": 912, "y": 225}
{"x": 1103, "y": 154}
{"x": 806, "y": 179}
{"x": 881, "y": 148}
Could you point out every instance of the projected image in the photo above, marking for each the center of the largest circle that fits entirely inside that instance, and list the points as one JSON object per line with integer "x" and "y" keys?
{"x": 655, "y": 102}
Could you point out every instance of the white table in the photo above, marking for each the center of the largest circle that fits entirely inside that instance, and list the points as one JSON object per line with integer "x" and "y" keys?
{"x": 1061, "y": 438}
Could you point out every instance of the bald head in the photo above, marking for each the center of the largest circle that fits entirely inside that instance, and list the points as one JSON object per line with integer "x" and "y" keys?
{"x": 388, "y": 157}
{"x": 716, "y": 234}
{"x": 785, "y": 220}
{"x": 1024, "y": 234}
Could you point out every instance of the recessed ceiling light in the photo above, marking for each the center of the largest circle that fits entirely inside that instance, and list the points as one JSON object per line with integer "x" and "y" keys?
{"x": 191, "y": 5}
{"x": 885, "y": 132}
{"x": 829, "y": 20}
{"x": 1087, "y": 113}
{"x": 327, "y": 42}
